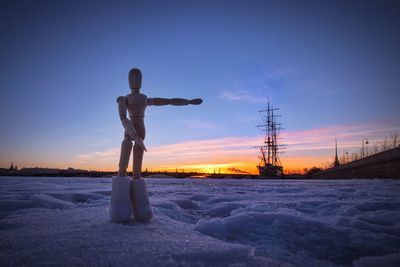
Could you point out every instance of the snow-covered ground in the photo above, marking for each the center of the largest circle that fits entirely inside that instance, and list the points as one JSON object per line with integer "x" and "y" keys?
{"x": 201, "y": 222}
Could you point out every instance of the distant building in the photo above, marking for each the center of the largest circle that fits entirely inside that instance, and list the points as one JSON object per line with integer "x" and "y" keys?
{"x": 336, "y": 162}
{"x": 40, "y": 171}
{"x": 71, "y": 171}
{"x": 4, "y": 171}
{"x": 11, "y": 171}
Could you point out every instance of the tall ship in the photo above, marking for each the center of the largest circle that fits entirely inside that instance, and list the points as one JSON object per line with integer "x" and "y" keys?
{"x": 270, "y": 165}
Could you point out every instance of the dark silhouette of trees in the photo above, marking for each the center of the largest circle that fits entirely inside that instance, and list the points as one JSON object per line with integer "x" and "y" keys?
{"x": 312, "y": 170}
{"x": 394, "y": 139}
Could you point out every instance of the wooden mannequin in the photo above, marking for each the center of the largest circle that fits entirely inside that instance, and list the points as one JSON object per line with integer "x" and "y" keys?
{"x": 135, "y": 104}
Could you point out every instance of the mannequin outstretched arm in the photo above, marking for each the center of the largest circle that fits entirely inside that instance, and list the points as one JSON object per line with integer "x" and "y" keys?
{"x": 129, "y": 129}
{"x": 157, "y": 101}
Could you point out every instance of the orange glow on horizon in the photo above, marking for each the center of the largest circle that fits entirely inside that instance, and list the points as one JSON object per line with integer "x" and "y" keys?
{"x": 218, "y": 163}
{"x": 236, "y": 165}
{"x": 246, "y": 166}
{"x": 232, "y": 154}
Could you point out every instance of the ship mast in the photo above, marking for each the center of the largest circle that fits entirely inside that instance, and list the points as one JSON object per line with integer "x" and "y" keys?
{"x": 270, "y": 127}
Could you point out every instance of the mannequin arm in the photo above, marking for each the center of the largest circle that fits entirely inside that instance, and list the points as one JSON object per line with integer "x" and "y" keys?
{"x": 130, "y": 130}
{"x": 173, "y": 101}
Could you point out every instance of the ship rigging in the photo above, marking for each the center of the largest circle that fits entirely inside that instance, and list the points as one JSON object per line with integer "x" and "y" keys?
{"x": 270, "y": 165}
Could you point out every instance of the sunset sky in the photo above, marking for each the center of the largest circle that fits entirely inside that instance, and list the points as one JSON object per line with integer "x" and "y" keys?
{"x": 332, "y": 67}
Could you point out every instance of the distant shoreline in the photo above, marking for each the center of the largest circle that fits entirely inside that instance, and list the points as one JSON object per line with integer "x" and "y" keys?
{"x": 222, "y": 177}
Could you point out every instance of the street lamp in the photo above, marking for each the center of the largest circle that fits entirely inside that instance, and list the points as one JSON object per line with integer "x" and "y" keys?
{"x": 362, "y": 142}
{"x": 345, "y": 154}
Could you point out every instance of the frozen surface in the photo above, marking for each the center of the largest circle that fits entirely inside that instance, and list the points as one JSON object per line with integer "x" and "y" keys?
{"x": 201, "y": 222}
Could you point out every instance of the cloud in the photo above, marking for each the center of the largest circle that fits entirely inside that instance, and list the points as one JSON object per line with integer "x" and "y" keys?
{"x": 99, "y": 155}
{"x": 243, "y": 96}
{"x": 280, "y": 73}
{"x": 203, "y": 125}
{"x": 262, "y": 87}
{"x": 348, "y": 136}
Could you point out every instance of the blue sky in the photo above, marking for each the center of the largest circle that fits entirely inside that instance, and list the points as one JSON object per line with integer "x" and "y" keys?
{"x": 63, "y": 63}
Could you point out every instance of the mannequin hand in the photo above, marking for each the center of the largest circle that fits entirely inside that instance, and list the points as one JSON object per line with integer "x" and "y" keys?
{"x": 139, "y": 142}
{"x": 196, "y": 101}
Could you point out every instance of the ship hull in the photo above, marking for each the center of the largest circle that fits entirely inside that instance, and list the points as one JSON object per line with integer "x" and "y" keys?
{"x": 270, "y": 171}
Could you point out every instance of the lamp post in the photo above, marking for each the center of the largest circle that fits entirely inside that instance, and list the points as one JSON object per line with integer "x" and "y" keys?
{"x": 362, "y": 142}
{"x": 345, "y": 154}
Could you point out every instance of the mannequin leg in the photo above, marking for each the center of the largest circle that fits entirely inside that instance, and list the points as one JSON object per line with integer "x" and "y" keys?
{"x": 126, "y": 148}
{"x": 138, "y": 152}
{"x": 137, "y": 161}
{"x": 120, "y": 208}
{"x": 142, "y": 209}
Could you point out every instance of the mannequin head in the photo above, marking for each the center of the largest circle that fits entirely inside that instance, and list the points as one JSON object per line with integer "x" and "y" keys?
{"x": 135, "y": 79}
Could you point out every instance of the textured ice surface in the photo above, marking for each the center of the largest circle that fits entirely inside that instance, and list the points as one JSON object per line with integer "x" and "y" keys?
{"x": 201, "y": 222}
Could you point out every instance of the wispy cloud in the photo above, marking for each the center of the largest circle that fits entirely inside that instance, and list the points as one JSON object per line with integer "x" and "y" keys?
{"x": 256, "y": 89}
{"x": 244, "y": 96}
{"x": 105, "y": 155}
{"x": 279, "y": 73}
{"x": 201, "y": 124}
{"x": 348, "y": 136}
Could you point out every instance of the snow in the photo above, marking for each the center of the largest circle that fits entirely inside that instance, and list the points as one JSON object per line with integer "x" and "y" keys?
{"x": 202, "y": 222}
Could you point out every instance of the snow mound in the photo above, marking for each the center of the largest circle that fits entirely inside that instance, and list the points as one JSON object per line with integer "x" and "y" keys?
{"x": 222, "y": 209}
{"x": 49, "y": 202}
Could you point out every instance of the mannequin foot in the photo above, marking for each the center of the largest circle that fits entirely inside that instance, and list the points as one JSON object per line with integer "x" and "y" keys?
{"x": 142, "y": 209}
{"x": 120, "y": 209}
